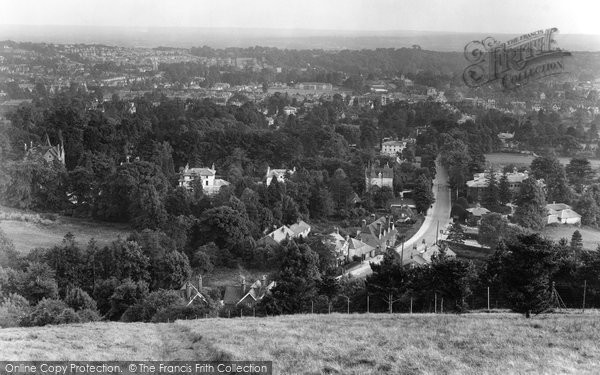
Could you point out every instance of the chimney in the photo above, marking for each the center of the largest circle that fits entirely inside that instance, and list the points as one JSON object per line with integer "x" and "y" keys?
{"x": 127, "y": 158}
{"x": 379, "y": 229}
{"x": 364, "y": 224}
{"x": 244, "y": 284}
{"x": 199, "y": 282}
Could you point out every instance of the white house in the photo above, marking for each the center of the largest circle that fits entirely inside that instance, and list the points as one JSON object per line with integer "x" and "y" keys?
{"x": 279, "y": 174}
{"x": 392, "y": 148}
{"x": 210, "y": 184}
{"x": 563, "y": 214}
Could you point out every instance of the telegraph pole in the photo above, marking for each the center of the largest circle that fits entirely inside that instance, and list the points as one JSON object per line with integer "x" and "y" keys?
{"x": 584, "y": 288}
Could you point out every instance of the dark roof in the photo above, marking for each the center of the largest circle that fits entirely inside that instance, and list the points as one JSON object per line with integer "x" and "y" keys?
{"x": 233, "y": 294}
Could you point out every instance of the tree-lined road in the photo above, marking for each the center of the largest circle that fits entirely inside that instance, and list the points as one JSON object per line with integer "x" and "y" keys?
{"x": 437, "y": 218}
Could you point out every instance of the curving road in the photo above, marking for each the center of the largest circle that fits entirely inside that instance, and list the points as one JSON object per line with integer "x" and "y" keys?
{"x": 437, "y": 218}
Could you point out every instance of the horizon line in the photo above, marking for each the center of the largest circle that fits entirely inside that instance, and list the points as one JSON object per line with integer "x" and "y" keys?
{"x": 222, "y": 28}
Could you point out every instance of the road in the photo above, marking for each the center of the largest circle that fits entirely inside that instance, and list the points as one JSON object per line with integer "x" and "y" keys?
{"x": 437, "y": 218}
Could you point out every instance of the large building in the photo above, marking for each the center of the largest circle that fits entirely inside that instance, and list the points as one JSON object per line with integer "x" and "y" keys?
{"x": 210, "y": 184}
{"x": 379, "y": 176}
{"x": 392, "y": 148}
{"x": 314, "y": 86}
{"x": 480, "y": 181}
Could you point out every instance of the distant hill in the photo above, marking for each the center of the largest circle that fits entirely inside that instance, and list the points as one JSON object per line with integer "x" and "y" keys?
{"x": 291, "y": 39}
{"x": 498, "y": 343}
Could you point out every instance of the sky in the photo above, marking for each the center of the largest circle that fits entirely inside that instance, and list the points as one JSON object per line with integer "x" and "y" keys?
{"x": 497, "y": 16}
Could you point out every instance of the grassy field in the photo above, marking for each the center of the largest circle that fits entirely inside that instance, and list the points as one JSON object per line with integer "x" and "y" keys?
{"x": 500, "y": 158}
{"x": 591, "y": 236}
{"x": 28, "y": 235}
{"x": 476, "y": 343}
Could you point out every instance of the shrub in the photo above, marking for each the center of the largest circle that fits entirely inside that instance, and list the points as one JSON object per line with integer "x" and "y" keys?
{"x": 12, "y": 310}
{"x": 173, "y": 313}
{"x": 155, "y": 301}
{"x": 67, "y": 316}
{"x": 127, "y": 294}
{"x": 87, "y": 315}
{"x": 78, "y": 299}
{"x": 47, "y": 311}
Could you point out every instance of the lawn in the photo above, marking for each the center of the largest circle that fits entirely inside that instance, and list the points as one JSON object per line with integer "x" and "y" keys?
{"x": 27, "y": 235}
{"x": 476, "y": 343}
{"x": 502, "y": 159}
{"x": 591, "y": 236}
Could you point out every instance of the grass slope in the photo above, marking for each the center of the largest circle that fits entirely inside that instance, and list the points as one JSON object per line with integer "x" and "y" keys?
{"x": 340, "y": 344}
{"x": 590, "y": 236}
{"x": 28, "y": 235}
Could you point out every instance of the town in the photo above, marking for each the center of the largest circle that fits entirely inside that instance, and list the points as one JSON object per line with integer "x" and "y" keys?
{"x": 165, "y": 184}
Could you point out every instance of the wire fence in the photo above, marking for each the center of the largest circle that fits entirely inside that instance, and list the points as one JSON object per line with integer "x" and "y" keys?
{"x": 564, "y": 296}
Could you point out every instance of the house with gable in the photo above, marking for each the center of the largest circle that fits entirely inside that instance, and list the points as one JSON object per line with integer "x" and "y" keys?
{"x": 193, "y": 291}
{"x": 279, "y": 174}
{"x": 379, "y": 176}
{"x": 380, "y": 234}
{"x": 245, "y": 294}
{"x": 210, "y": 184}
{"x": 297, "y": 230}
{"x": 562, "y": 213}
{"x": 348, "y": 249}
{"x": 47, "y": 152}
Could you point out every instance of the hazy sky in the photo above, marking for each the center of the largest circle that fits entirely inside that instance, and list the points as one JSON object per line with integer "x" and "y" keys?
{"x": 499, "y": 16}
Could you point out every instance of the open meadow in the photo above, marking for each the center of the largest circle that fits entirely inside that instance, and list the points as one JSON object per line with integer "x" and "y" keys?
{"x": 522, "y": 160}
{"x": 477, "y": 343}
{"x": 28, "y": 235}
{"x": 590, "y": 236}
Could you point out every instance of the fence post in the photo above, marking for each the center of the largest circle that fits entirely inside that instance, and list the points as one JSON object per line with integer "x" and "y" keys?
{"x": 241, "y": 312}
{"x": 312, "y": 306}
{"x": 442, "y": 306}
{"x": 367, "y": 303}
{"x": 348, "y": 305}
{"x": 584, "y": 288}
{"x": 254, "y": 311}
{"x": 411, "y": 305}
{"x": 488, "y": 298}
{"x": 435, "y": 303}
{"x": 229, "y": 313}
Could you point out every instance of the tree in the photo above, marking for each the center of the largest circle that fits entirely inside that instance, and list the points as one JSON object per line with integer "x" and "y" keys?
{"x": 171, "y": 271}
{"x": 527, "y": 267}
{"x": 127, "y": 294}
{"x": 504, "y": 192}
{"x": 576, "y": 241}
{"x": 341, "y": 189}
{"x": 388, "y": 281}
{"x": 38, "y": 283}
{"x": 579, "y": 172}
{"x": 492, "y": 229}
{"x": 452, "y": 280}
{"x": 587, "y": 206}
{"x": 531, "y": 202}
{"x": 296, "y": 280}
{"x": 456, "y": 233}
{"x": 423, "y": 194}
{"x": 78, "y": 299}
{"x": 224, "y": 226}
{"x": 491, "y": 194}
{"x": 549, "y": 169}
